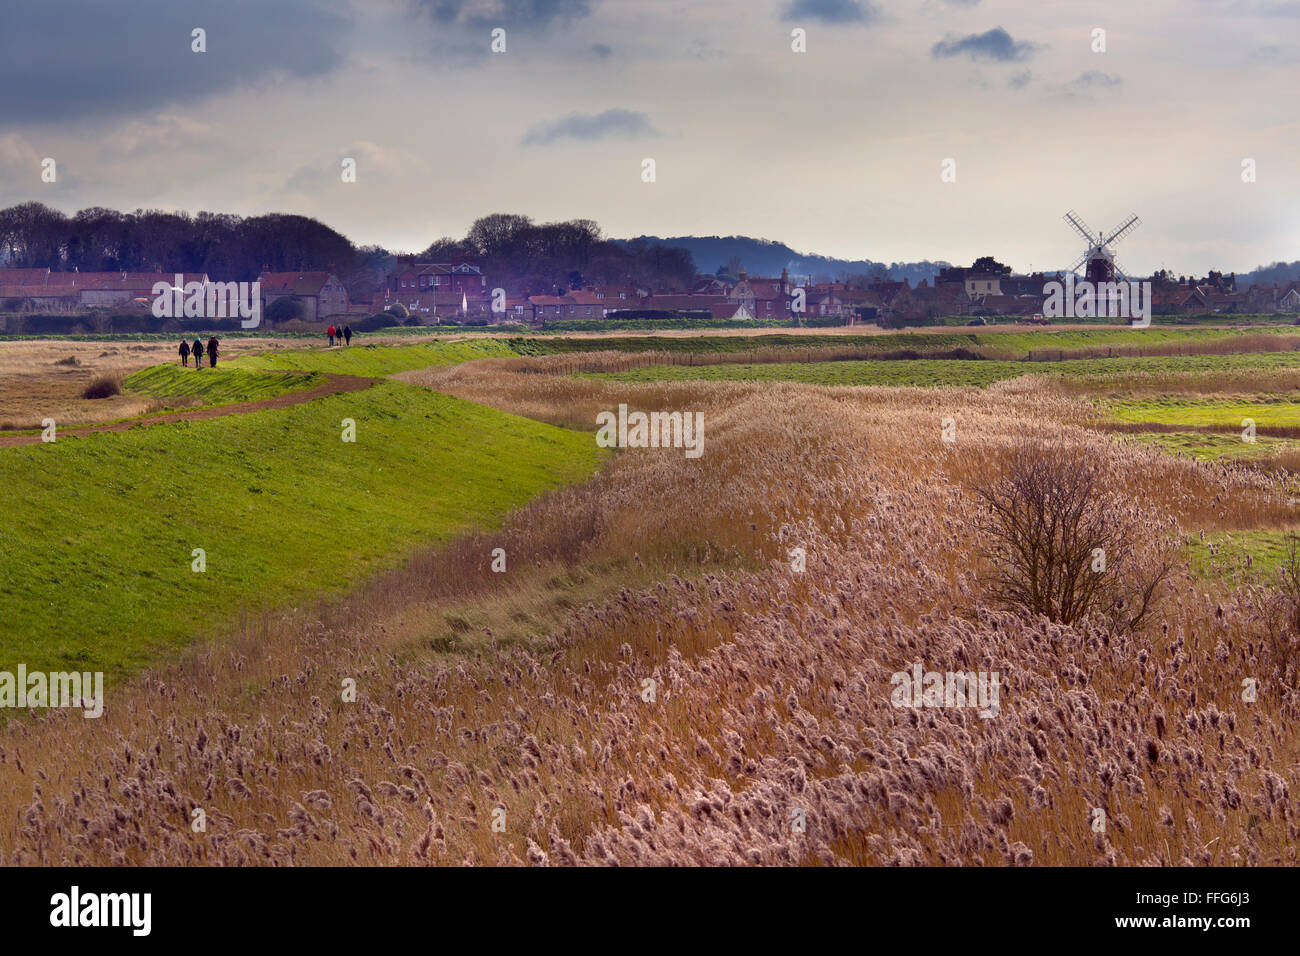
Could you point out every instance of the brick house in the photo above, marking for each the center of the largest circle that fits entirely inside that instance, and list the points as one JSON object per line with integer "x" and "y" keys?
{"x": 763, "y": 298}
{"x": 321, "y": 293}
{"x": 461, "y": 277}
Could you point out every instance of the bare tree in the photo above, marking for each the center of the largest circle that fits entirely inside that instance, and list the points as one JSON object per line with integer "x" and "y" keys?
{"x": 1058, "y": 543}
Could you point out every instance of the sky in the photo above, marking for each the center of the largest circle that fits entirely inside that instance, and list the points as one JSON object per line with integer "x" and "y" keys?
{"x": 903, "y": 131}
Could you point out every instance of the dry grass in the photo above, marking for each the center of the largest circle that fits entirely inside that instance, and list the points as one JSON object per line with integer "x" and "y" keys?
{"x": 37, "y": 381}
{"x": 772, "y": 686}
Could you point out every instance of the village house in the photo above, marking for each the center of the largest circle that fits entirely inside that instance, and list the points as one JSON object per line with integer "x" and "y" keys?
{"x": 579, "y": 304}
{"x": 1289, "y": 301}
{"x": 460, "y": 276}
{"x": 617, "y": 296}
{"x": 763, "y": 298}
{"x": 44, "y": 290}
{"x": 321, "y": 294}
{"x": 547, "y": 307}
{"x": 969, "y": 281}
{"x": 429, "y": 307}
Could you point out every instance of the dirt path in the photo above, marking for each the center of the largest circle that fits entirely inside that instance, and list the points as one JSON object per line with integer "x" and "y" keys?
{"x": 334, "y": 385}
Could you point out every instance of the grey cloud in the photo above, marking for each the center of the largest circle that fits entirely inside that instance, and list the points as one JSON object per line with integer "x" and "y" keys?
{"x": 995, "y": 44}
{"x": 1020, "y": 79}
{"x": 1093, "y": 79}
{"x": 1289, "y": 9}
{"x": 615, "y": 123}
{"x": 84, "y": 58}
{"x": 702, "y": 49}
{"x": 481, "y": 14}
{"x": 832, "y": 11}
{"x": 601, "y": 50}
{"x": 1273, "y": 54}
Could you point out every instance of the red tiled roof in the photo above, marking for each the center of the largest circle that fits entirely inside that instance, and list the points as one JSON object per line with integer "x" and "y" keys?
{"x": 37, "y": 291}
{"x": 293, "y": 283}
{"x": 10, "y": 277}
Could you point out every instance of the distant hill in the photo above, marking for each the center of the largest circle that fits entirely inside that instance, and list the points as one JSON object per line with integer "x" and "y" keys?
{"x": 1279, "y": 272}
{"x": 763, "y": 257}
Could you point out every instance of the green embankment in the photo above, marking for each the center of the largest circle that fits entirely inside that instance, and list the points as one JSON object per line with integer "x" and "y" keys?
{"x": 375, "y": 360}
{"x": 217, "y": 386}
{"x": 97, "y": 543}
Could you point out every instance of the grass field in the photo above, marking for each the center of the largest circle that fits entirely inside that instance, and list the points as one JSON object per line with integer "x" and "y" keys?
{"x": 375, "y": 360}
{"x": 217, "y": 386}
{"x": 1010, "y": 342}
{"x": 1209, "y": 446}
{"x": 1264, "y": 410}
{"x": 1254, "y": 555}
{"x": 96, "y": 551}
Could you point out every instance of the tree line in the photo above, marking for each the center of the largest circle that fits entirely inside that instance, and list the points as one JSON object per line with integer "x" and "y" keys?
{"x": 551, "y": 258}
{"x": 514, "y": 252}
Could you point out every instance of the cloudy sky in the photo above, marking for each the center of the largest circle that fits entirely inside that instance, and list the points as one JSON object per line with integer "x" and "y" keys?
{"x": 838, "y": 150}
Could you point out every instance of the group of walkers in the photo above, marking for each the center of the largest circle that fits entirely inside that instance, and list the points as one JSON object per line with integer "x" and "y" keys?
{"x": 344, "y": 335}
{"x": 197, "y": 350}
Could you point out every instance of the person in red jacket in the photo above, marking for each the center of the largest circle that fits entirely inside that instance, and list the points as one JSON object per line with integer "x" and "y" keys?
{"x": 330, "y": 333}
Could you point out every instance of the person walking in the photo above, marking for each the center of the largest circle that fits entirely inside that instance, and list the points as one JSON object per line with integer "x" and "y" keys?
{"x": 212, "y": 352}
{"x": 347, "y": 335}
{"x": 185, "y": 353}
{"x": 330, "y": 333}
{"x": 197, "y": 349}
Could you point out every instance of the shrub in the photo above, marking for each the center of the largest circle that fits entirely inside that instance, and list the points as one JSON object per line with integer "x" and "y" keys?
{"x": 284, "y": 309}
{"x": 398, "y": 310}
{"x": 373, "y": 323}
{"x": 70, "y": 360}
{"x": 102, "y": 386}
{"x": 1060, "y": 545}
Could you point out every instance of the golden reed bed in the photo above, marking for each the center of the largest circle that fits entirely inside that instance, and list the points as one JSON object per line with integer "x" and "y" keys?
{"x": 771, "y": 697}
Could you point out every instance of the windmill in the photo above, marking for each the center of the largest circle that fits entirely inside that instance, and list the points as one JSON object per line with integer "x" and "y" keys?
{"x": 1099, "y": 259}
